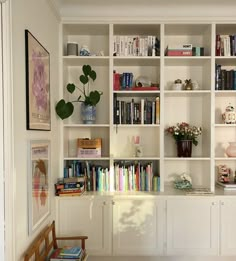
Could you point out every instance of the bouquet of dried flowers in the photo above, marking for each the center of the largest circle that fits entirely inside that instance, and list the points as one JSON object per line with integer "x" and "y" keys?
{"x": 184, "y": 131}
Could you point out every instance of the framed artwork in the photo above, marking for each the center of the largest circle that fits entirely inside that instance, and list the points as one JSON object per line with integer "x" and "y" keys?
{"x": 38, "y": 115}
{"x": 38, "y": 183}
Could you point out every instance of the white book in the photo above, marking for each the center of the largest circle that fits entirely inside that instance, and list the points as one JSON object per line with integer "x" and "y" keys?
{"x": 142, "y": 111}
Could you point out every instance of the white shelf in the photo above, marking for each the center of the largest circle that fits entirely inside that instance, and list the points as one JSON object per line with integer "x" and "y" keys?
{"x": 187, "y": 159}
{"x": 86, "y": 125}
{"x": 88, "y": 159}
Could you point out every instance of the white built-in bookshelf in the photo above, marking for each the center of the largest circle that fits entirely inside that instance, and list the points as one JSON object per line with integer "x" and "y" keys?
{"x": 202, "y": 107}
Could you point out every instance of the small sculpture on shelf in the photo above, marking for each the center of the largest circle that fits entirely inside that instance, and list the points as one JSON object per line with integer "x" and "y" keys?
{"x": 177, "y": 86}
{"x": 188, "y": 85}
{"x": 183, "y": 181}
{"x": 223, "y": 174}
{"x": 229, "y": 116}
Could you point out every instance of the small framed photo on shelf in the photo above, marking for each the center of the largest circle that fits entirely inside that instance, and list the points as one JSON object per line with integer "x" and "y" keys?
{"x": 38, "y": 113}
{"x": 38, "y": 183}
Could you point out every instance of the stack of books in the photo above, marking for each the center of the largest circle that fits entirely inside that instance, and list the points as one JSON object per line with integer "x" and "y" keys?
{"x": 68, "y": 253}
{"x": 70, "y": 186}
{"x": 179, "y": 50}
{"x": 226, "y": 186}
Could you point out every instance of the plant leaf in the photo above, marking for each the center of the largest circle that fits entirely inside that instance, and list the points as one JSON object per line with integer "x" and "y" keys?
{"x": 94, "y": 97}
{"x": 70, "y": 87}
{"x": 93, "y": 75}
{"x": 84, "y": 79}
{"x": 63, "y": 109}
{"x": 86, "y": 69}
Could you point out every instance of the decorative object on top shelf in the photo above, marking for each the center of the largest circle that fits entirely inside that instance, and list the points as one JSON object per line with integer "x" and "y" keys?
{"x": 229, "y": 116}
{"x": 178, "y": 85}
{"x": 183, "y": 181}
{"x": 231, "y": 149}
{"x": 188, "y": 85}
{"x": 89, "y": 99}
{"x": 84, "y": 51}
{"x": 184, "y": 135}
{"x": 72, "y": 49}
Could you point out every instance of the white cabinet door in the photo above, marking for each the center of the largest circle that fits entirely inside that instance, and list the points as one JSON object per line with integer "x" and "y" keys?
{"x": 138, "y": 226}
{"x": 192, "y": 226}
{"x": 228, "y": 227}
{"x": 87, "y": 216}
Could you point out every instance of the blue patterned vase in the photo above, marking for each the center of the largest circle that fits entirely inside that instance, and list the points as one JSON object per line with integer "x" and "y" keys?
{"x": 88, "y": 114}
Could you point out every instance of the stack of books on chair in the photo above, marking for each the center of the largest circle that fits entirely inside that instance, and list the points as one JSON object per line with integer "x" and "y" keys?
{"x": 73, "y": 186}
{"x": 68, "y": 253}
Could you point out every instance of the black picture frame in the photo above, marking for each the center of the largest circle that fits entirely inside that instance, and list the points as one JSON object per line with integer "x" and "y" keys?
{"x": 38, "y": 111}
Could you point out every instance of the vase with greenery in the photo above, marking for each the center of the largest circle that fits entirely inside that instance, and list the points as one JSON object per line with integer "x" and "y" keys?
{"x": 88, "y": 99}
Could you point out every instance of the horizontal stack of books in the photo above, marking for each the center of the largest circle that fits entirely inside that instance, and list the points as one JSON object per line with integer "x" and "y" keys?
{"x": 73, "y": 186}
{"x": 68, "y": 253}
{"x": 179, "y": 50}
{"x": 227, "y": 186}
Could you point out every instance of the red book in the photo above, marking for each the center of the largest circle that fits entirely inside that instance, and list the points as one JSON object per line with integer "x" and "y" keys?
{"x": 217, "y": 45}
{"x": 179, "y": 53}
{"x": 116, "y": 81}
{"x": 148, "y": 88}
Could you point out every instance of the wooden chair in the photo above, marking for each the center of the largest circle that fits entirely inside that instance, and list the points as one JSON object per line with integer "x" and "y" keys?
{"x": 46, "y": 243}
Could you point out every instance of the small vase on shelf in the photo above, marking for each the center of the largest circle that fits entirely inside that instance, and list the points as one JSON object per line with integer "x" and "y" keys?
{"x": 184, "y": 148}
{"x": 231, "y": 149}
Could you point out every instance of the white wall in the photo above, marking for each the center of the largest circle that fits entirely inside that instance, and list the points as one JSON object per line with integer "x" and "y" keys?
{"x": 39, "y": 19}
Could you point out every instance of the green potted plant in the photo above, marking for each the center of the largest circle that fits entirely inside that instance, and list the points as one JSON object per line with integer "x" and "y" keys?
{"x": 88, "y": 99}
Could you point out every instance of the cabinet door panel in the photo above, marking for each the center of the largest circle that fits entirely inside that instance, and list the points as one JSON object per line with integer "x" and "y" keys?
{"x": 85, "y": 216}
{"x": 138, "y": 227}
{"x": 192, "y": 226}
{"x": 228, "y": 228}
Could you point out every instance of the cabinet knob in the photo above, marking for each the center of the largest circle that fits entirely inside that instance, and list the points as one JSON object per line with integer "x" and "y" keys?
{"x": 213, "y": 203}
{"x": 104, "y": 203}
{"x": 113, "y": 202}
{"x": 222, "y": 203}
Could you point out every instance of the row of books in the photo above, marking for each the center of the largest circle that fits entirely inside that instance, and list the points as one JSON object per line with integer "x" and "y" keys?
{"x": 225, "y": 45}
{"x": 125, "y": 177}
{"x": 136, "y": 45}
{"x": 144, "y": 111}
{"x": 135, "y": 177}
{"x": 224, "y": 79}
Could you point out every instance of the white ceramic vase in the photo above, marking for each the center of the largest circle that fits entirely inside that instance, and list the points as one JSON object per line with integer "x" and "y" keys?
{"x": 231, "y": 149}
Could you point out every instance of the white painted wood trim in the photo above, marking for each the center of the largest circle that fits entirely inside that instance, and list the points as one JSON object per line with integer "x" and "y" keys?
{"x": 8, "y": 132}
{"x": 148, "y": 20}
{"x": 2, "y": 250}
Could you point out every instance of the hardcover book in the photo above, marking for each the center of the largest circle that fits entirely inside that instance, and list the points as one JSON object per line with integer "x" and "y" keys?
{"x": 71, "y": 251}
{"x": 57, "y": 256}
